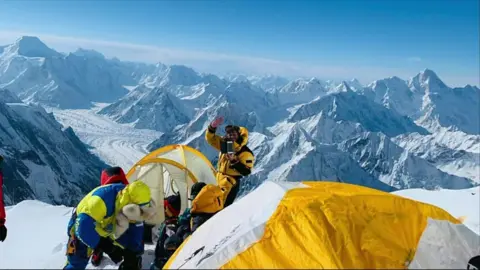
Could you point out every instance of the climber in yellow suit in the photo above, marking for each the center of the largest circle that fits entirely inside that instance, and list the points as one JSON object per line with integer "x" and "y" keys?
{"x": 207, "y": 200}
{"x": 93, "y": 223}
{"x": 231, "y": 166}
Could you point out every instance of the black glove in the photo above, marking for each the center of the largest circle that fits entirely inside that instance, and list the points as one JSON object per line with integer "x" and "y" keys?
{"x": 116, "y": 255}
{"x": 132, "y": 261}
{"x": 3, "y": 233}
{"x": 114, "y": 252}
{"x": 105, "y": 244}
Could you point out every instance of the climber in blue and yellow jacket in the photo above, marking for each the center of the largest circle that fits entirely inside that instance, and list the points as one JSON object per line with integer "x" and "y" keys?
{"x": 93, "y": 222}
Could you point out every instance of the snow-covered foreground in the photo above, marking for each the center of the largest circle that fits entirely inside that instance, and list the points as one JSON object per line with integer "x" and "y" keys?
{"x": 460, "y": 203}
{"x": 116, "y": 144}
{"x": 37, "y": 238}
{"x": 37, "y": 231}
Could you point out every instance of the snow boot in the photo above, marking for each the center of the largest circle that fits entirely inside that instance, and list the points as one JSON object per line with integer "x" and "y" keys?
{"x": 474, "y": 263}
{"x": 97, "y": 257}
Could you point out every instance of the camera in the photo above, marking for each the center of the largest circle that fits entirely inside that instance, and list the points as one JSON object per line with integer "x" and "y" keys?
{"x": 227, "y": 147}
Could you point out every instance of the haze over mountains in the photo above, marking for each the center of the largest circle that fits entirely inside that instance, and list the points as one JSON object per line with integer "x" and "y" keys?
{"x": 390, "y": 134}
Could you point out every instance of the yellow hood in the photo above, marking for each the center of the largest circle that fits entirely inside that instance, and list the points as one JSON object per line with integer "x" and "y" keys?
{"x": 244, "y": 136}
{"x": 134, "y": 193}
{"x": 209, "y": 200}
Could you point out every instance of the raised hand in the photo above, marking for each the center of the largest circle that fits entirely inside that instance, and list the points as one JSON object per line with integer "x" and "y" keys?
{"x": 217, "y": 122}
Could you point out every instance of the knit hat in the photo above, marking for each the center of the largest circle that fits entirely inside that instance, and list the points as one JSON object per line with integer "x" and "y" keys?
{"x": 113, "y": 175}
{"x": 196, "y": 189}
{"x": 173, "y": 203}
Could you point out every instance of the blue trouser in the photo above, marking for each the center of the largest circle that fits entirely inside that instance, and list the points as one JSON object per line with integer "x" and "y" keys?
{"x": 132, "y": 239}
{"x": 78, "y": 253}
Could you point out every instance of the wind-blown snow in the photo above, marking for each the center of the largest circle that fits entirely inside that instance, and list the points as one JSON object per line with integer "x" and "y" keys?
{"x": 116, "y": 144}
{"x": 50, "y": 244}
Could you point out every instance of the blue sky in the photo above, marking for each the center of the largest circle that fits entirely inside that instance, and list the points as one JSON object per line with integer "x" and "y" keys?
{"x": 339, "y": 39}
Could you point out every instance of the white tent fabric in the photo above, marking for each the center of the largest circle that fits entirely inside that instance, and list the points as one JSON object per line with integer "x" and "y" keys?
{"x": 169, "y": 170}
{"x": 250, "y": 233}
{"x": 444, "y": 245}
{"x": 233, "y": 229}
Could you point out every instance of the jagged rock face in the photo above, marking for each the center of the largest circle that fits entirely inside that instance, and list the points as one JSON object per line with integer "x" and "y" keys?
{"x": 42, "y": 160}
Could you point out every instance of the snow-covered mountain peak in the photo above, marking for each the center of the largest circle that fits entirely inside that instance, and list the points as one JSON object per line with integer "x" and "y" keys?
{"x": 355, "y": 84}
{"x": 356, "y": 108}
{"x": 427, "y": 80}
{"x": 214, "y": 80}
{"x": 237, "y": 78}
{"x": 243, "y": 88}
{"x": 315, "y": 80}
{"x": 155, "y": 109}
{"x": 268, "y": 82}
{"x": 392, "y": 83}
{"x": 343, "y": 87}
{"x": 88, "y": 53}
{"x": 29, "y": 46}
{"x": 181, "y": 75}
{"x": 396, "y": 166}
{"x": 300, "y": 91}
{"x": 355, "y": 80}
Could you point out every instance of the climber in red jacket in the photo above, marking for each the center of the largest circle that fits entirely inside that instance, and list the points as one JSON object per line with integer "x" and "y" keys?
{"x": 3, "y": 229}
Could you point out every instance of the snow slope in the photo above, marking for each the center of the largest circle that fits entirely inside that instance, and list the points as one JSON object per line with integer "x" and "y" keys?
{"x": 43, "y": 160}
{"x": 47, "y": 249}
{"x": 49, "y": 245}
{"x": 116, "y": 144}
{"x": 460, "y": 203}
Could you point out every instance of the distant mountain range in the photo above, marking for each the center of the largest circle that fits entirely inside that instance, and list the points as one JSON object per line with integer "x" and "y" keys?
{"x": 390, "y": 134}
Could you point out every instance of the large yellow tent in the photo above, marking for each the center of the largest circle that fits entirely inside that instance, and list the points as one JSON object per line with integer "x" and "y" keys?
{"x": 312, "y": 225}
{"x": 171, "y": 169}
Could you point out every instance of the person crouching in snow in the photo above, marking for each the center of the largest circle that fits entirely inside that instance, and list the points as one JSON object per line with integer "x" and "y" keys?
{"x": 108, "y": 176}
{"x": 172, "y": 205}
{"x": 93, "y": 222}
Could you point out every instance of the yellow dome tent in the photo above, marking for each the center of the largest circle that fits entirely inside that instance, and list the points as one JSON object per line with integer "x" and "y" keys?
{"x": 171, "y": 169}
{"x": 327, "y": 225}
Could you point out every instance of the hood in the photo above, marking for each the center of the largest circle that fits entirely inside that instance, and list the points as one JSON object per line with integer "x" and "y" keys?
{"x": 134, "y": 193}
{"x": 244, "y": 138}
{"x": 209, "y": 200}
{"x": 113, "y": 175}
